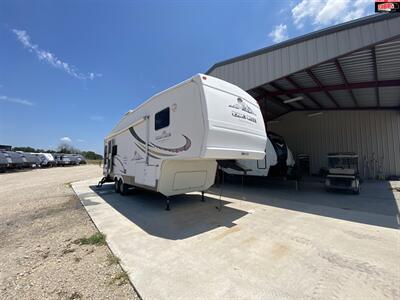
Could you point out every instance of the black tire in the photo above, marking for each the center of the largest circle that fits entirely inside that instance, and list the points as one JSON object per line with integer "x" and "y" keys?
{"x": 123, "y": 188}
{"x": 116, "y": 186}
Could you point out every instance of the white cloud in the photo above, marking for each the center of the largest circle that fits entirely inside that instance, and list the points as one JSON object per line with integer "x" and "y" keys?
{"x": 326, "y": 12}
{"x": 96, "y": 118}
{"x": 66, "y": 139}
{"x": 16, "y": 100}
{"x": 80, "y": 140}
{"x": 279, "y": 33}
{"x": 50, "y": 58}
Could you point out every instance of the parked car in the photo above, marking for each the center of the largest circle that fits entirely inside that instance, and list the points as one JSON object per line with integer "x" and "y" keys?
{"x": 81, "y": 158}
{"x": 63, "y": 159}
{"x": 73, "y": 159}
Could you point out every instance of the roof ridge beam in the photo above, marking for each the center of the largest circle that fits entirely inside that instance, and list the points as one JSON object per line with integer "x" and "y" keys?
{"x": 340, "y": 70}
{"x": 336, "y": 87}
{"x": 378, "y": 99}
{"x": 316, "y": 80}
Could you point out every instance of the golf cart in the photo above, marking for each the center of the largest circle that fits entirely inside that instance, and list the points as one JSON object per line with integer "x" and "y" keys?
{"x": 343, "y": 172}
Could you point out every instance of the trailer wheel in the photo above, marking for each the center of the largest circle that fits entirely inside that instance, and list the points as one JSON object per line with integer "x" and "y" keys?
{"x": 116, "y": 185}
{"x": 123, "y": 188}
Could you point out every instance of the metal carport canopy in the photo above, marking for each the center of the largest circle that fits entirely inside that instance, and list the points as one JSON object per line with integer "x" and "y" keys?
{"x": 354, "y": 65}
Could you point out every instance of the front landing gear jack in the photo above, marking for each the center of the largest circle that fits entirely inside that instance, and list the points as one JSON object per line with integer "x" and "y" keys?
{"x": 202, "y": 196}
{"x": 167, "y": 202}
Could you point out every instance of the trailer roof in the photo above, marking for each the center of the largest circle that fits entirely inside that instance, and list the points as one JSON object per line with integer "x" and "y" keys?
{"x": 354, "y": 65}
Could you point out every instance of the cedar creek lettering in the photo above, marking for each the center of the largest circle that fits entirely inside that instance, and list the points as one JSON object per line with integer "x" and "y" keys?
{"x": 243, "y": 116}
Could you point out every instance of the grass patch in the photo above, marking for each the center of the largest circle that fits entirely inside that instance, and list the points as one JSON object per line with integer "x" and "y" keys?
{"x": 98, "y": 239}
{"x": 112, "y": 259}
{"x": 120, "y": 278}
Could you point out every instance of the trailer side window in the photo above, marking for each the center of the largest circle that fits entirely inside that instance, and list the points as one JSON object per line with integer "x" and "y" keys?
{"x": 161, "y": 119}
{"x": 114, "y": 150}
{"x": 105, "y": 154}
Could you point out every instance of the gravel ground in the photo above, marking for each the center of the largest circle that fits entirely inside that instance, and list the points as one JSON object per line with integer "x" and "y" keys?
{"x": 40, "y": 218}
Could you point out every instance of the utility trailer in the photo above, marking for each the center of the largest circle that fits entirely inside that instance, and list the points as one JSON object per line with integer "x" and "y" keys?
{"x": 171, "y": 143}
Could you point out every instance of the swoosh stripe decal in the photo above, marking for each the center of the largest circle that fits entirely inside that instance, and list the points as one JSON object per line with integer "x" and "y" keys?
{"x": 134, "y": 134}
{"x": 186, "y": 146}
{"x": 143, "y": 148}
{"x": 144, "y": 151}
{"x": 122, "y": 165}
{"x": 176, "y": 150}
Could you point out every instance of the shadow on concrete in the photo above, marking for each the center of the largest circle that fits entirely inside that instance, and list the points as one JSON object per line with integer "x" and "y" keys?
{"x": 376, "y": 204}
{"x": 188, "y": 215}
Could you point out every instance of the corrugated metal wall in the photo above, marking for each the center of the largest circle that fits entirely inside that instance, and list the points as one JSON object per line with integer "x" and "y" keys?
{"x": 259, "y": 69}
{"x": 371, "y": 134}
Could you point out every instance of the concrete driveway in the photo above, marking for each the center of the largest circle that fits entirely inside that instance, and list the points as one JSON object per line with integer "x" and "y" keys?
{"x": 268, "y": 241}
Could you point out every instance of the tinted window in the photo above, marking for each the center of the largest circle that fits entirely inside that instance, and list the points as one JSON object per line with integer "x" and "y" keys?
{"x": 114, "y": 150}
{"x": 161, "y": 119}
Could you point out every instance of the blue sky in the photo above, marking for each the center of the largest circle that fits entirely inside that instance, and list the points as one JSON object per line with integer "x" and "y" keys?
{"x": 70, "y": 69}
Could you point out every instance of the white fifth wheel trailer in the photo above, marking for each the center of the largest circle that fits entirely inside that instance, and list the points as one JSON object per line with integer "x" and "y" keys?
{"x": 278, "y": 160}
{"x": 171, "y": 142}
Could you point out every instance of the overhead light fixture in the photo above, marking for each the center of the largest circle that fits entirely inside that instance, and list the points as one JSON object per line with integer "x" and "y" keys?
{"x": 293, "y": 99}
{"x": 315, "y": 114}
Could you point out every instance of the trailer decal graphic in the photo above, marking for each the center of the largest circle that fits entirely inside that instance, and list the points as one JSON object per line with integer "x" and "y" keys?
{"x": 133, "y": 132}
{"x": 150, "y": 152}
{"x": 243, "y": 116}
{"x": 242, "y": 106}
{"x": 143, "y": 148}
{"x": 136, "y": 156}
{"x": 186, "y": 146}
{"x": 122, "y": 165}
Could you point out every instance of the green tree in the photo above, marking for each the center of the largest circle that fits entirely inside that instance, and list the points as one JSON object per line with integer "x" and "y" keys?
{"x": 91, "y": 155}
{"x": 24, "y": 149}
{"x": 67, "y": 149}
